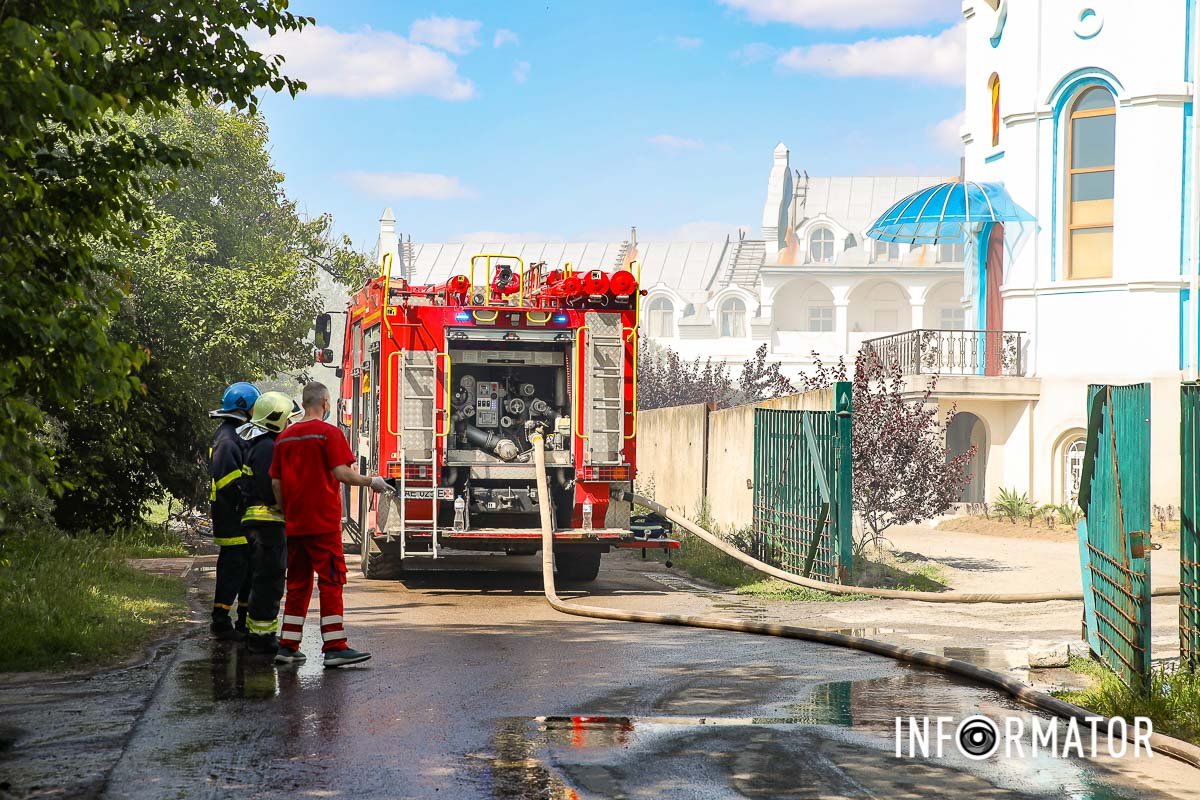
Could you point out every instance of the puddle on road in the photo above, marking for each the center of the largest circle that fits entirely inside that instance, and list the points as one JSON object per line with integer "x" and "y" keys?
{"x": 230, "y": 674}
{"x": 837, "y": 740}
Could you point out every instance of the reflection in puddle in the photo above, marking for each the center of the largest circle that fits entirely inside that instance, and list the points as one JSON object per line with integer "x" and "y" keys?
{"x": 515, "y": 768}
{"x": 230, "y": 674}
{"x": 836, "y": 741}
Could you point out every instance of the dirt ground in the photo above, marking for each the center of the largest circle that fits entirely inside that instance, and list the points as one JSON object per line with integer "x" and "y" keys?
{"x": 999, "y": 558}
{"x": 979, "y": 555}
{"x": 1168, "y": 537}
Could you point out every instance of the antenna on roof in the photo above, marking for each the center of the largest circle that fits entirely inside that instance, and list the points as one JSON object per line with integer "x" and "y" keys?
{"x": 800, "y": 195}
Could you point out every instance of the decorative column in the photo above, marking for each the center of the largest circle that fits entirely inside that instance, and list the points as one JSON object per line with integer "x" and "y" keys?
{"x": 918, "y": 316}
{"x": 841, "y": 323}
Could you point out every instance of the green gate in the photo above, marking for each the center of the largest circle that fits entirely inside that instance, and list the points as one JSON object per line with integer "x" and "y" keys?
{"x": 1189, "y": 543}
{"x": 1114, "y": 538}
{"x": 802, "y": 484}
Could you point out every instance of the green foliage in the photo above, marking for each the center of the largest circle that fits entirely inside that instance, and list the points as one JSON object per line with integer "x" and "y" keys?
{"x": 75, "y": 183}
{"x": 1069, "y": 514}
{"x": 66, "y": 601}
{"x": 772, "y": 589}
{"x": 224, "y": 288}
{"x": 1172, "y": 702}
{"x": 1014, "y": 506}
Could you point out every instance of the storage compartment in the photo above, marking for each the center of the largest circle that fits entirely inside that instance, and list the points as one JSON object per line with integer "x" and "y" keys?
{"x": 502, "y": 390}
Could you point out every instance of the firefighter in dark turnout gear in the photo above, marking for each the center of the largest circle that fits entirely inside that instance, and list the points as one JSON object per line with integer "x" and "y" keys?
{"x": 262, "y": 522}
{"x": 225, "y": 468}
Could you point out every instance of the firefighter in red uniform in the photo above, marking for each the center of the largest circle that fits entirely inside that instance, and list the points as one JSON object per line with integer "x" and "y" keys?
{"x": 263, "y": 521}
{"x": 311, "y": 458}
{"x": 225, "y": 469}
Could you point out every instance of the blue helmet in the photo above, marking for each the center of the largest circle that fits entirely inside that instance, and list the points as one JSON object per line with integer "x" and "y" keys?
{"x": 237, "y": 401}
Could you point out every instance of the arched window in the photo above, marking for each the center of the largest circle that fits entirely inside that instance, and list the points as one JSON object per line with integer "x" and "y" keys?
{"x": 1072, "y": 469}
{"x": 820, "y": 246}
{"x": 660, "y": 317}
{"x": 1091, "y": 154}
{"x": 994, "y": 87}
{"x": 733, "y": 317}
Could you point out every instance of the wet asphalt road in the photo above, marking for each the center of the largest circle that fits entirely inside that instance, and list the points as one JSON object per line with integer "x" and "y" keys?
{"x": 476, "y": 689}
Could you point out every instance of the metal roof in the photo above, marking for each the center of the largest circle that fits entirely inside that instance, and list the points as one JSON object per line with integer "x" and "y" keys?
{"x": 856, "y": 202}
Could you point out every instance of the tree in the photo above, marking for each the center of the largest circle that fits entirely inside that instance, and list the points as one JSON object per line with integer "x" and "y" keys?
{"x": 903, "y": 471}
{"x": 76, "y": 179}
{"x": 666, "y": 379}
{"x": 223, "y": 288}
{"x": 761, "y": 379}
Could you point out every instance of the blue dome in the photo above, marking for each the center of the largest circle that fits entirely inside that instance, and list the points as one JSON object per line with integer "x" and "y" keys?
{"x": 943, "y": 214}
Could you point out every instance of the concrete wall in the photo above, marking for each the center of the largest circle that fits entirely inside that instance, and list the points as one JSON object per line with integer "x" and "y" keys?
{"x": 671, "y": 455}
{"x": 693, "y": 454}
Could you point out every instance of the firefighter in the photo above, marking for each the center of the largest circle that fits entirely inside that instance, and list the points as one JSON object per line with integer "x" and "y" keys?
{"x": 225, "y": 469}
{"x": 262, "y": 522}
{"x": 311, "y": 458}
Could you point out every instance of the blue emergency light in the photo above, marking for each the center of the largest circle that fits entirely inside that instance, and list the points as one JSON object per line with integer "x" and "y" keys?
{"x": 463, "y": 316}
{"x": 560, "y": 319}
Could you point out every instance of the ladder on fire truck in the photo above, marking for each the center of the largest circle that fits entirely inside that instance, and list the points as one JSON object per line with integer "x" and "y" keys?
{"x": 604, "y": 393}
{"x": 417, "y": 405}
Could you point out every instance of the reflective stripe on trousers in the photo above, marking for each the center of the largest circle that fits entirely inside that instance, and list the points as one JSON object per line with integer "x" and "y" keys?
{"x": 230, "y": 541}
{"x": 261, "y": 513}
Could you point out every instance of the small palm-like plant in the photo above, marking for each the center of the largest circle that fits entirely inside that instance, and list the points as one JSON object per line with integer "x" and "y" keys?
{"x": 1069, "y": 514}
{"x": 1014, "y": 506}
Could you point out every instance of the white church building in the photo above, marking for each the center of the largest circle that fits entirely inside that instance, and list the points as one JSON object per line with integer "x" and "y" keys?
{"x": 1083, "y": 112}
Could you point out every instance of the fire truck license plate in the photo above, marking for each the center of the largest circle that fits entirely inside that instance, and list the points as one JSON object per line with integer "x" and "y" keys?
{"x": 426, "y": 493}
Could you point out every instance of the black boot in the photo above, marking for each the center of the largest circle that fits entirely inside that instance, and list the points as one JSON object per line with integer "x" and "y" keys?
{"x": 241, "y": 621}
{"x": 222, "y": 627}
{"x": 264, "y": 644}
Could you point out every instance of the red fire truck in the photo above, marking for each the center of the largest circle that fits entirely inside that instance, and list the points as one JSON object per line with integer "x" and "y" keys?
{"x": 442, "y": 386}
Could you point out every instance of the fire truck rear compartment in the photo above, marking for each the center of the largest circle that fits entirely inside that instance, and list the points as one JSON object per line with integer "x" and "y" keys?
{"x": 500, "y": 391}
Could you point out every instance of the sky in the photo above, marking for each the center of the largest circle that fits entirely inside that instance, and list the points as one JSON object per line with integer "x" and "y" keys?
{"x": 572, "y": 121}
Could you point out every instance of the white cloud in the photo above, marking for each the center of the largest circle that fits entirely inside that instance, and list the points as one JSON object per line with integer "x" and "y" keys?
{"x": 505, "y": 237}
{"x": 365, "y": 63}
{"x": 521, "y": 71}
{"x": 428, "y": 185}
{"x": 505, "y": 36}
{"x": 848, "y": 14}
{"x": 754, "y": 52}
{"x": 676, "y": 143}
{"x": 947, "y": 134}
{"x": 686, "y": 42}
{"x": 939, "y": 59}
{"x": 451, "y": 34}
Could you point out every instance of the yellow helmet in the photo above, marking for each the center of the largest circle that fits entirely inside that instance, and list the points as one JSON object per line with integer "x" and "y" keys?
{"x": 272, "y": 411}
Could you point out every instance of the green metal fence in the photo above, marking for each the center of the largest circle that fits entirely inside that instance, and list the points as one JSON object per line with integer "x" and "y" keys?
{"x": 802, "y": 489}
{"x": 1114, "y": 536}
{"x": 1189, "y": 542}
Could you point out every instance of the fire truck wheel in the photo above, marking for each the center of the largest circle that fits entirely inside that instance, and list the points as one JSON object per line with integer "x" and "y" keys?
{"x": 581, "y": 566}
{"x": 373, "y": 563}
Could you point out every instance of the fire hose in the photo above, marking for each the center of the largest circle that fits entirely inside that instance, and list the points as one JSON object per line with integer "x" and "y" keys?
{"x": 835, "y": 588}
{"x": 1026, "y": 695}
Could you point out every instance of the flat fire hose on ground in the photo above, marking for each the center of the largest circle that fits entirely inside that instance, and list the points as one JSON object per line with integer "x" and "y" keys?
{"x": 835, "y": 588}
{"x": 1167, "y": 745}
